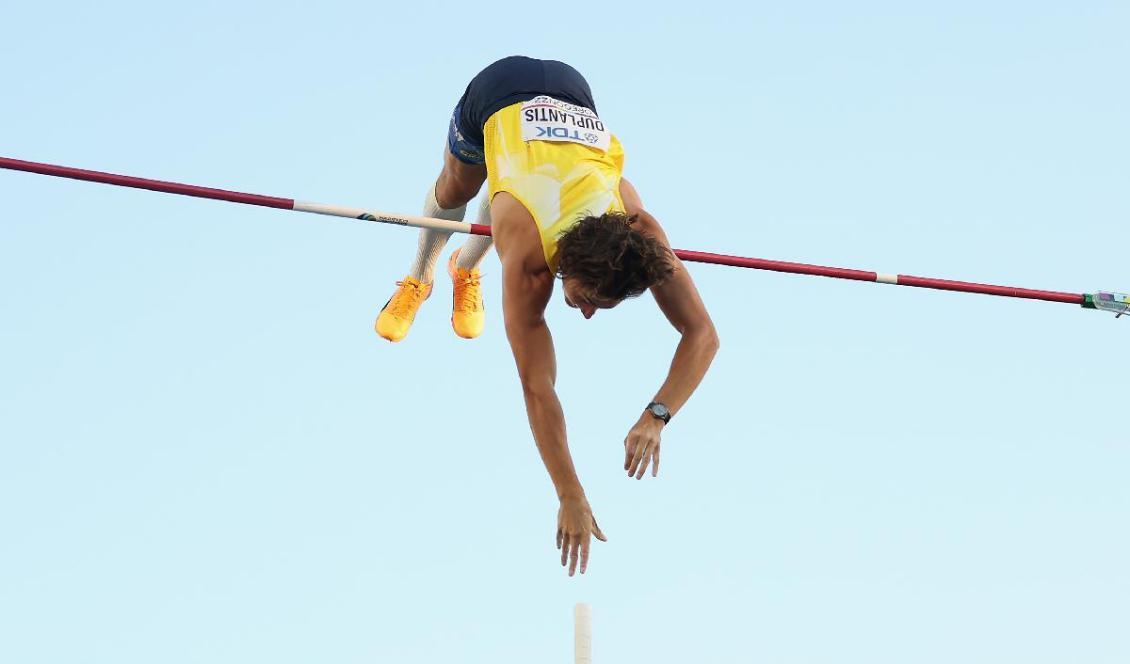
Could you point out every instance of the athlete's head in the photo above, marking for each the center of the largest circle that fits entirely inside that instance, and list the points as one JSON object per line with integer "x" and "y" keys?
{"x": 603, "y": 261}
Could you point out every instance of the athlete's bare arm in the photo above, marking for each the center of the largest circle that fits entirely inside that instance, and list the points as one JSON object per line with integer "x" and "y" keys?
{"x": 680, "y": 302}
{"x": 526, "y": 287}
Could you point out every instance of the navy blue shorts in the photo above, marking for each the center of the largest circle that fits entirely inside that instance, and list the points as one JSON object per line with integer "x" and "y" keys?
{"x": 509, "y": 81}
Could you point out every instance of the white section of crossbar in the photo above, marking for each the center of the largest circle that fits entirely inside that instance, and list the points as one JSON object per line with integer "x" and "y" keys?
{"x": 383, "y": 217}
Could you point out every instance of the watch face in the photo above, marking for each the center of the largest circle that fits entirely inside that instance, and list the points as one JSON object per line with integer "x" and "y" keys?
{"x": 660, "y": 411}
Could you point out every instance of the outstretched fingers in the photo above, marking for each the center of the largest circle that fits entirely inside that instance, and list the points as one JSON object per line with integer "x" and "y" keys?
{"x": 585, "y": 554}
{"x": 575, "y": 531}
{"x": 579, "y": 552}
{"x": 641, "y": 466}
{"x": 639, "y": 460}
{"x": 586, "y": 543}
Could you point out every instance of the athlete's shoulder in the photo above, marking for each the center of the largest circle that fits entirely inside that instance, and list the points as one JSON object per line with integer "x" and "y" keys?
{"x": 633, "y": 204}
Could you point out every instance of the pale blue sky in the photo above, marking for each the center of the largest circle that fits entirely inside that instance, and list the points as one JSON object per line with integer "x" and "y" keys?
{"x": 207, "y": 456}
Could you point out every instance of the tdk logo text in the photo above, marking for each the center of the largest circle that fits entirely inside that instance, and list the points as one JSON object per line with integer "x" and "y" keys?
{"x": 549, "y": 133}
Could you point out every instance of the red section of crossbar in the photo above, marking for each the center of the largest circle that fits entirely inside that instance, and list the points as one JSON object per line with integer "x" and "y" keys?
{"x": 861, "y": 275}
{"x": 144, "y": 183}
{"x": 775, "y": 266}
{"x": 989, "y": 289}
{"x": 478, "y": 229}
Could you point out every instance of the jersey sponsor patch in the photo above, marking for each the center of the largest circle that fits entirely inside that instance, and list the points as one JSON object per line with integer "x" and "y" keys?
{"x": 548, "y": 119}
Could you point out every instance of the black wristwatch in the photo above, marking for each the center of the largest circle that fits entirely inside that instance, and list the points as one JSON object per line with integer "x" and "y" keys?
{"x": 659, "y": 411}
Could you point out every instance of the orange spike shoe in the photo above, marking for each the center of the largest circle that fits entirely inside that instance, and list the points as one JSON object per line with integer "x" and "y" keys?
{"x": 400, "y": 310}
{"x": 467, "y": 312}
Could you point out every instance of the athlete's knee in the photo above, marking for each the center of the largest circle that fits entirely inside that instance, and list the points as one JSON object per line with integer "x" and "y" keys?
{"x": 451, "y": 194}
{"x": 455, "y": 188}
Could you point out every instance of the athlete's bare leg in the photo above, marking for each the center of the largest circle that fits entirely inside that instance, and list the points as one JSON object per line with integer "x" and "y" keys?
{"x": 458, "y": 182}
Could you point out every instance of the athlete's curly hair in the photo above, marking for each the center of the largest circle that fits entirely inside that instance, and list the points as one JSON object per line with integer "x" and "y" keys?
{"x": 611, "y": 259}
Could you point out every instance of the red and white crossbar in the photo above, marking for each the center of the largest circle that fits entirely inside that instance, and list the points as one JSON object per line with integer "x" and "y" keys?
{"x": 1083, "y": 299}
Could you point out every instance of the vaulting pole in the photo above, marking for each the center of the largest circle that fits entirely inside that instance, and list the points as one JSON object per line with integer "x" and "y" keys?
{"x": 582, "y": 633}
{"x": 1115, "y": 302}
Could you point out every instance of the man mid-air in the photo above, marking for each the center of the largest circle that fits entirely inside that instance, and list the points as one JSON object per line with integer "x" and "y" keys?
{"x": 558, "y": 207}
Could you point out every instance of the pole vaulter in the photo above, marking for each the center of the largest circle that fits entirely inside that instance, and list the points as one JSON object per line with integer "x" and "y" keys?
{"x": 1118, "y": 303}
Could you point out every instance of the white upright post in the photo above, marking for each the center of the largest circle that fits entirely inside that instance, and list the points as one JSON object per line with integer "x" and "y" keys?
{"x": 582, "y": 634}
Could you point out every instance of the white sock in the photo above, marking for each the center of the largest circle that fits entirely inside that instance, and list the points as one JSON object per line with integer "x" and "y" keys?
{"x": 476, "y": 246}
{"x": 432, "y": 242}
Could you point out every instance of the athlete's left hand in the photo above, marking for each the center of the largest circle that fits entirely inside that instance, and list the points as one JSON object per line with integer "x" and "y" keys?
{"x": 642, "y": 446}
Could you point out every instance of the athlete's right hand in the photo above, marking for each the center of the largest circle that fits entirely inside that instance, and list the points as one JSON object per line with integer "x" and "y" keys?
{"x": 576, "y": 526}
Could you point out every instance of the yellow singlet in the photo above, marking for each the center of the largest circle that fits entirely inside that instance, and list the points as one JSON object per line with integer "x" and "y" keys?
{"x": 571, "y": 172}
